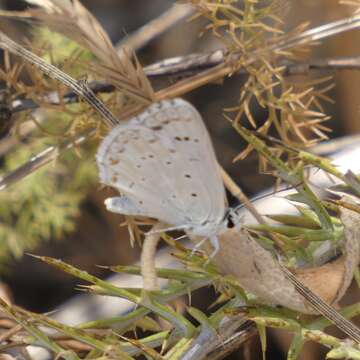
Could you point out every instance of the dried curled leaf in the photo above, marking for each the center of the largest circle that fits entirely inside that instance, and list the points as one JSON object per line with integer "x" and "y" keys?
{"x": 258, "y": 272}
{"x": 351, "y": 222}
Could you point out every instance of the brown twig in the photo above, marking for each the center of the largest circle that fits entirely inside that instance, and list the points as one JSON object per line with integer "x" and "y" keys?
{"x": 236, "y": 191}
{"x": 42, "y": 159}
{"x": 9, "y": 333}
{"x": 189, "y": 65}
{"x": 156, "y": 27}
{"x": 215, "y": 342}
{"x": 233, "y": 342}
{"x": 231, "y": 65}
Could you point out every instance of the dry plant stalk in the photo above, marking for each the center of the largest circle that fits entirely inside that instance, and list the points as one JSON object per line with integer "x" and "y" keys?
{"x": 148, "y": 256}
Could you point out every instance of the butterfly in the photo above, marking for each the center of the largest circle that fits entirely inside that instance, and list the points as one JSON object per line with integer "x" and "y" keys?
{"x": 163, "y": 164}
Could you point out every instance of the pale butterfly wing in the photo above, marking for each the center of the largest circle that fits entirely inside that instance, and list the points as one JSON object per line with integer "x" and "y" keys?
{"x": 164, "y": 166}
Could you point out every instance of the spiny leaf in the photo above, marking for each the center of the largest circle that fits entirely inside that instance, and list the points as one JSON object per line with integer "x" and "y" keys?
{"x": 69, "y": 269}
{"x": 296, "y": 346}
{"x": 181, "y": 275}
{"x": 291, "y": 176}
{"x": 146, "y": 350}
{"x": 123, "y": 322}
{"x": 40, "y": 337}
{"x": 262, "y": 334}
{"x": 177, "y": 320}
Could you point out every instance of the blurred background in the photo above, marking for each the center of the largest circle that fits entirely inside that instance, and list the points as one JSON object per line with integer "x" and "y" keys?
{"x": 98, "y": 238}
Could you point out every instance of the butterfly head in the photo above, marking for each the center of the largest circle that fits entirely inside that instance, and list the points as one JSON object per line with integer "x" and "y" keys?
{"x": 209, "y": 228}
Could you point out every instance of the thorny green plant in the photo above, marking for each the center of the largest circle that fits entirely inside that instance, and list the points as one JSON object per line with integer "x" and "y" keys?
{"x": 294, "y": 111}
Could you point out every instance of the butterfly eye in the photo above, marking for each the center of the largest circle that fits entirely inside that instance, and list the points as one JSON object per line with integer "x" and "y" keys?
{"x": 188, "y": 176}
{"x": 194, "y": 195}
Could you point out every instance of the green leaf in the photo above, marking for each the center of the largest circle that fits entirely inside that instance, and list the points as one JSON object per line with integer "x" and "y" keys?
{"x": 296, "y": 346}
{"x": 344, "y": 352}
{"x": 263, "y": 340}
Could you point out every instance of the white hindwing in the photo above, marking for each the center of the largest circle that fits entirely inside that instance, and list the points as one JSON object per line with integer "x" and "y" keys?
{"x": 164, "y": 166}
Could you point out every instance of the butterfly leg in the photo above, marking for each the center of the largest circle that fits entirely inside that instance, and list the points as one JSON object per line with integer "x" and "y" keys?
{"x": 216, "y": 245}
{"x": 198, "y": 245}
{"x": 214, "y": 242}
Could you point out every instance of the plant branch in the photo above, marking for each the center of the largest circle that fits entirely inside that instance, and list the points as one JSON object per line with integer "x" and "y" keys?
{"x": 192, "y": 64}
{"x": 42, "y": 159}
{"x": 197, "y": 62}
{"x": 156, "y": 27}
{"x": 231, "y": 65}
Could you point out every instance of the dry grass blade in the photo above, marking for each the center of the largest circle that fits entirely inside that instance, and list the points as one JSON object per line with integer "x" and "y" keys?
{"x": 323, "y": 308}
{"x": 80, "y": 88}
{"x": 73, "y": 20}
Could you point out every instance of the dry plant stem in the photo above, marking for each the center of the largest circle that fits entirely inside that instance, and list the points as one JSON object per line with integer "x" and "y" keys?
{"x": 43, "y": 158}
{"x": 231, "y": 65}
{"x": 187, "y": 64}
{"x": 233, "y": 342}
{"x": 239, "y": 194}
{"x": 148, "y": 268}
{"x": 80, "y": 88}
{"x": 209, "y": 340}
{"x": 9, "y": 333}
{"x": 339, "y": 63}
{"x": 155, "y": 27}
{"x": 194, "y": 63}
